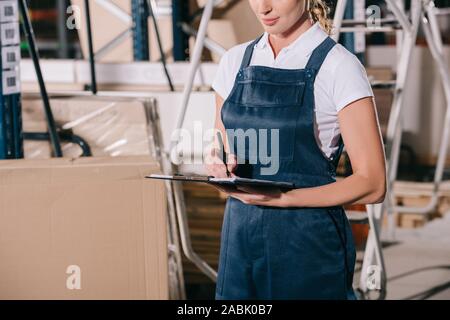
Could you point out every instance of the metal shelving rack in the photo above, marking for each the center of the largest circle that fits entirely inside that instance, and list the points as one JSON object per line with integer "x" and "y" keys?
{"x": 139, "y": 14}
{"x": 180, "y": 15}
{"x": 11, "y": 136}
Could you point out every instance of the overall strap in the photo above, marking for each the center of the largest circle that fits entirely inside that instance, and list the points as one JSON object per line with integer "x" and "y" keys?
{"x": 249, "y": 52}
{"x": 319, "y": 54}
{"x": 315, "y": 62}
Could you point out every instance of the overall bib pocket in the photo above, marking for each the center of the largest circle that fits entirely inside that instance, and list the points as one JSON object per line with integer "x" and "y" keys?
{"x": 261, "y": 133}
{"x": 263, "y": 111}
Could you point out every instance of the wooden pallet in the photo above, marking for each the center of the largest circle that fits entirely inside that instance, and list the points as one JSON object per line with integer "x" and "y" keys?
{"x": 417, "y": 194}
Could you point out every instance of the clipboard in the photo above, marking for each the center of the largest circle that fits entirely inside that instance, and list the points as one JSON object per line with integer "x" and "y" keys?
{"x": 233, "y": 181}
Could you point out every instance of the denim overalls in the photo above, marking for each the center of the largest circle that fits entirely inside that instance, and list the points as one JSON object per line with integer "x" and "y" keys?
{"x": 283, "y": 253}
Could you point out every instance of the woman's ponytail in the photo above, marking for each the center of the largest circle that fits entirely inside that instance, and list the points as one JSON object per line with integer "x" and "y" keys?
{"x": 319, "y": 11}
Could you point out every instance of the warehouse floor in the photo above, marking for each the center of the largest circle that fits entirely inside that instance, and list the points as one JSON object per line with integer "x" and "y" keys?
{"x": 418, "y": 263}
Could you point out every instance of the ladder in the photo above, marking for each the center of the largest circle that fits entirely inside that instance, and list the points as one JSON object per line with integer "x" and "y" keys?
{"x": 373, "y": 255}
{"x": 434, "y": 40}
{"x": 425, "y": 13}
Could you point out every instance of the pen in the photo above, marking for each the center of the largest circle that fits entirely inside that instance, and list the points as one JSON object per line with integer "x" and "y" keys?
{"x": 224, "y": 154}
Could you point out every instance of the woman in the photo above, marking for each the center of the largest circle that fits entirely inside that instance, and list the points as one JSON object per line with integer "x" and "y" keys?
{"x": 313, "y": 96}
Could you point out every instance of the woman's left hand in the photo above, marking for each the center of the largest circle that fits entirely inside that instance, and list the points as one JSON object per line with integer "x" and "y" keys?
{"x": 272, "y": 197}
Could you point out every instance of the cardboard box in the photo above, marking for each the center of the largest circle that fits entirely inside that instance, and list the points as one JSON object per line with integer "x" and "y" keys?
{"x": 228, "y": 28}
{"x": 222, "y": 32}
{"x": 383, "y": 96}
{"x": 246, "y": 25}
{"x": 89, "y": 228}
{"x": 380, "y": 73}
{"x": 383, "y": 101}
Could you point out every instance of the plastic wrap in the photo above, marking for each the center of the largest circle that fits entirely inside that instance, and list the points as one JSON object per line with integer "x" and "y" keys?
{"x": 110, "y": 126}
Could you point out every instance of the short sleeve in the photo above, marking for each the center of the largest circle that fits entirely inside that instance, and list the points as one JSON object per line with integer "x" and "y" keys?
{"x": 350, "y": 82}
{"x": 222, "y": 83}
{"x": 228, "y": 68}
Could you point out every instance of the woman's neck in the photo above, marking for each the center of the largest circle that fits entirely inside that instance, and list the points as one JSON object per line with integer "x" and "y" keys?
{"x": 281, "y": 40}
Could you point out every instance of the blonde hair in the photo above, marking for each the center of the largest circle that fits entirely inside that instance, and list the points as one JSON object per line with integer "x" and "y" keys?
{"x": 318, "y": 11}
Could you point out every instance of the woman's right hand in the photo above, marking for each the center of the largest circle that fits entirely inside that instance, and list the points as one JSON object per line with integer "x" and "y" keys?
{"x": 215, "y": 166}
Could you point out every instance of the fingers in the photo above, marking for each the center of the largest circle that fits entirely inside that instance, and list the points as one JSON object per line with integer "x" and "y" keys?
{"x": 248, "y": 198}
{"x": 231, "y": 162}
{"x": 215, "y": 165}
{"x": 217, "y": 170}
{"x": 271, "y": 191}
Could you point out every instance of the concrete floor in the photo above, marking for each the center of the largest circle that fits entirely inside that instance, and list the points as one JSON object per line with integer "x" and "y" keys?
{"x": 418, "y": 263}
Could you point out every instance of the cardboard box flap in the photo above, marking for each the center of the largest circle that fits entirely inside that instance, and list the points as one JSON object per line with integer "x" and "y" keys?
{"x": 81, "y": 170}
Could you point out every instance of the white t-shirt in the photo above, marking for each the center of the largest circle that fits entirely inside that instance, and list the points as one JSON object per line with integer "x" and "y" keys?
{"x": 341, "y": 80}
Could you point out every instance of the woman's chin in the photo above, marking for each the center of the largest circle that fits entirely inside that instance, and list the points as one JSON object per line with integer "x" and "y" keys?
{"x": 273, "y": 29}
